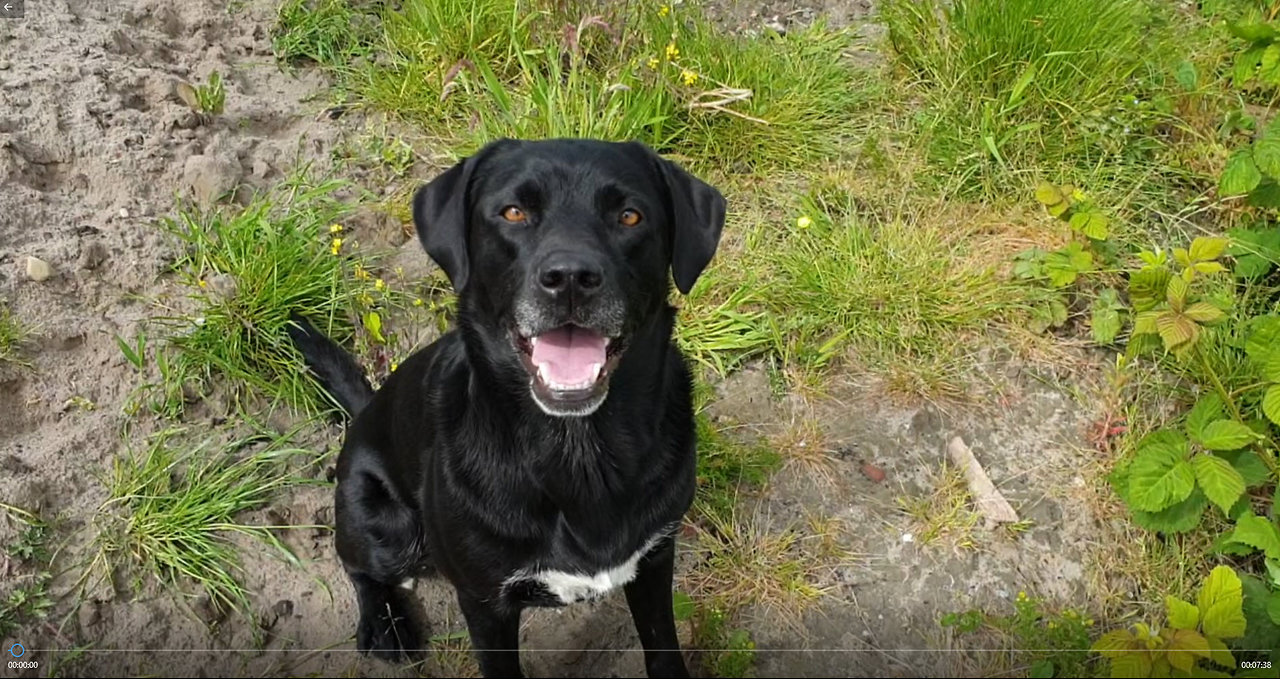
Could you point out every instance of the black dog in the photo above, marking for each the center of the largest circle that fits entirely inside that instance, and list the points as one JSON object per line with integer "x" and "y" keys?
{"x": 543, "y": 452}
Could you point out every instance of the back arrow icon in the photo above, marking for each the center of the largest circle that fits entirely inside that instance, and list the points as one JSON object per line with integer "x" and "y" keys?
{"x": 7, "y": 7}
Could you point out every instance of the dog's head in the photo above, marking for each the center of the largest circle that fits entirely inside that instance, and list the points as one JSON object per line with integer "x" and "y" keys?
{"x": 559, "y": 252}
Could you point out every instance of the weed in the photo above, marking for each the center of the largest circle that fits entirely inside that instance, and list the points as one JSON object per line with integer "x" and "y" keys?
{"x": 13, "y": 334}
{"x": 247, "y": 271}
{"x": 208, "y": 98}
{"x": 947, "y": 512}
{"x": 173, "y": 507}
{"x": 726, "y": 651}
{"x": 1049, "y": 644}
{"x": 726, "y": 469}
{"x": 25, "y": 597}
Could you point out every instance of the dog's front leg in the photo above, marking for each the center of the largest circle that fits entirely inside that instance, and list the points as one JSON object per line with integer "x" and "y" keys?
{"x": 649, "y": 597}
{"x": 494, "y": 627}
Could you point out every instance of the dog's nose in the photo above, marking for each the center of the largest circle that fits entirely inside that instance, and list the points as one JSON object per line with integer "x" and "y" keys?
{"x": 568, "y": 273}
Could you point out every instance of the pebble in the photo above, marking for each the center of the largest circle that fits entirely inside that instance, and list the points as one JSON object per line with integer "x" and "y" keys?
{"x": 38, "y": 269}
{"x": 92, "y": 255}
{"x": 124, "y": 213}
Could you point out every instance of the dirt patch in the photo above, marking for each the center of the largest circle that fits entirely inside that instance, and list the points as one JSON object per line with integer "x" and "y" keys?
{"x": 94, "y": 146}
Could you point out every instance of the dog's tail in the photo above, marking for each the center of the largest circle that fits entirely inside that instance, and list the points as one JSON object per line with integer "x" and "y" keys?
{"x": 335, "y": 369}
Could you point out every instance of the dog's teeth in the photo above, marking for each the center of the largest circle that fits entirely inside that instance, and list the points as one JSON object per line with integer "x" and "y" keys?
{"x": 533, "y": 341}
{"x": 542, "y": 375}
{"x": 595, "y": 370}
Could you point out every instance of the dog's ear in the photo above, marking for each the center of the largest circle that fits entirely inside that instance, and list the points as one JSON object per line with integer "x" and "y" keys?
{"x": 697, "y": 210}
{"x": 440, "y": 215}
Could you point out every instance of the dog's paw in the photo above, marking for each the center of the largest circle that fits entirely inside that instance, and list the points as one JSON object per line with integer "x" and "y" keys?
{"x": 388, "y": 636}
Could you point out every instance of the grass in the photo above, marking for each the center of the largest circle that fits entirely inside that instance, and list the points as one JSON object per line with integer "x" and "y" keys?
{"x": 13, "y": 335}
{"x": 946, "y": 513}
{"x": 173, "y": 508}
{"x": 1032, "y": 640}
{"x": 627, "y": 71}
{"x": 24, "y": 596}
{"x": 246, "y": 271}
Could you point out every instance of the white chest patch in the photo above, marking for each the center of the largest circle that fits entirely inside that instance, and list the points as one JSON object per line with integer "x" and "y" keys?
{"x": 575, "y": 587}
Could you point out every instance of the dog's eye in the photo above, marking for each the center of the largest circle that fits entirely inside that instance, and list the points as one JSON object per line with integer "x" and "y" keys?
{"x": 630, "y": 217}
{"x": 513, "y": 214}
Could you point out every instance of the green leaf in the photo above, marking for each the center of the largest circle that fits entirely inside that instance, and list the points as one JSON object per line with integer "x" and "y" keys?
{"x": 1227, "y": 435}
{"x": 1246, "y": 64}
{"x": 1273, "y": 607}
{"x": 1131, "y": 665}
{"x": 1092, "y": 224}
{"x": 1251, "y": 467}
{"x": 1264, "y": 336}
{"x": 1148, "y": 287}
{"x": 1207, "y": 409}
{"x": 1258, "y": 532}
{"x": 1271, "y": 404}
{"x": 682, "y": 605}
{"x": 1182, "y": 614}
{"x": 1241, "y": 174}
{"x": 1268, "y": 62}
{"x": 1180, "y": 518}
{"x": 1176, "y": 293}
{"x": 1266, "y": 155}
{"x": 1184, "y": 646}
{"x": 1271, "y": 367}
{"x": 1041, "y": 669}
{"x": 1176, "y": 330}
{"x": 1187, "y": 76}
{"x": 1105, "y": 323}
{"x": 1208, "y": 267}
{"x": 1205, "y": 248}
{"x": 1220, "y": 654}
{"x": 1265, "y": 194}
{"x": 1260, "y": 632}
{"x": 1252, "y": 28}
{"x": 1221, "y": 483}
{"x": 1114, "y": 643}
{"x": 1160, "y": 477}
{"x": 1204, "y": 312}
{"x": 1145, "y": 323}
{"x": 373, "y": 323}
{"x": 1048, "y": 194}
{"x": 1221, "y": 602}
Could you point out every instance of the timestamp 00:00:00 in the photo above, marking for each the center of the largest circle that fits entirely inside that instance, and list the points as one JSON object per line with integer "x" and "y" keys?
{"x": 23, "y": 664}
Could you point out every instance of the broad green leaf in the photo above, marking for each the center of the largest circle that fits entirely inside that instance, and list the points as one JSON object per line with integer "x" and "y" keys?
{"x": 1176, "y": 293}
{"x": 1204, "y": 312}
{"x": 1271, "y": 404}
{"x": 1182, "y": 257}
{"x": 1105, "y": 323}
{"x": 1092, "y": 224}
{"x": 1273, "y": 607}
{"x": 1114, "y": 643}
{"x": 1208, "y": 267}
{"x": 1246, "y": 64}
{"x": 1148, "y": 287}
{"x": 1205, "y": 248}
{"x": 1227, "y": 435}
{"x": 1260, "y": 631}
{"x": 1041, "y": 669}
{"x": 1187, "y": 76}
{"x": 1273, "y": 571}
{"x": 1184, "y": 647}
{"x": 1264, "y": 337}
{"x": 1258, "y": 532}
{"x": 1180, "y": 518}
{"x": 1241, "y": 174}
{"x": 1131, "y": 665}
{"x": 1160, "y": 477}
{"x": 1265, "y": 194}
{"x": 1049, "y": 194}
{"x": 1221, "y": 483}
{"x": 1145, "y": 323}
{"x": 1176, "y": 330}
{"x": 1271, "y": 367}
{"x": 1182, "y": 614}
{"x": 1208, "y": 408}
{"x": 1266, "y": 155}
{"x": 1221, "y": 604}
{"x": 1251, "y": 467}
{"x": 1220, "y": 654}
{"x": 1058, "y": 209}
{"x": 1252, "y": 28}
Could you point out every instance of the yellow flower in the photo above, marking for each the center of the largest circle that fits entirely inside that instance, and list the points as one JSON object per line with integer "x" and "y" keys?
{"x": 689, "y": 77}
{"x": 394, "y": 365}
{"x": 417, "y": 301}
{"x": 1022, "y": 596}
{"x": 365, "y": 299}
{"x": 361, "y": 273}
{"x": 804, "y": 222}
{"x": 664, "y": 10}
{"x": 335, "y": 246}
{"x": 204, "y": 283}
{"x": 673, "y": 52}
{"x": 653, "y": 62}
{"x": 335, "y": 228}
{"x": 380, "y": 284}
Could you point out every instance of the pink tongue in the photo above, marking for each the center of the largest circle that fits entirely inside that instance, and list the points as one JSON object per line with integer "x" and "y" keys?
{"x": 566, "y": 355}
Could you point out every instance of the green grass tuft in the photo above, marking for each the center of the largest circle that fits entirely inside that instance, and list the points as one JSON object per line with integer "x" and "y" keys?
{"x": 173, "y": 508}
{"x": 247, "y": 270}
{"x": 12, "y": 336}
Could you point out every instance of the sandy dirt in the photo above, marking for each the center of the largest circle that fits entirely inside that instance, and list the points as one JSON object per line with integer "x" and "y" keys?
{"x": 94, "y": 147}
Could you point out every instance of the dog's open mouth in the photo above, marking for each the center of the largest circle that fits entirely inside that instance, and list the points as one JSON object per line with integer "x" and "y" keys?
{"x": 570, "y": 365}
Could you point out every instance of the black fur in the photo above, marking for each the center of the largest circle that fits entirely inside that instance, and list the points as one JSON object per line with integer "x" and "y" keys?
{"x": 456, "y": 467}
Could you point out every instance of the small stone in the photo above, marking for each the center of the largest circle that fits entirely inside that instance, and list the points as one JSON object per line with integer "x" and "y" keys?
{"x": 124, "y": 213}
{"x": 260, "y": 168}
{"x": 38, "y": 269}
{"x": 873, "y": 472}
{"x": 92, "y": 255}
